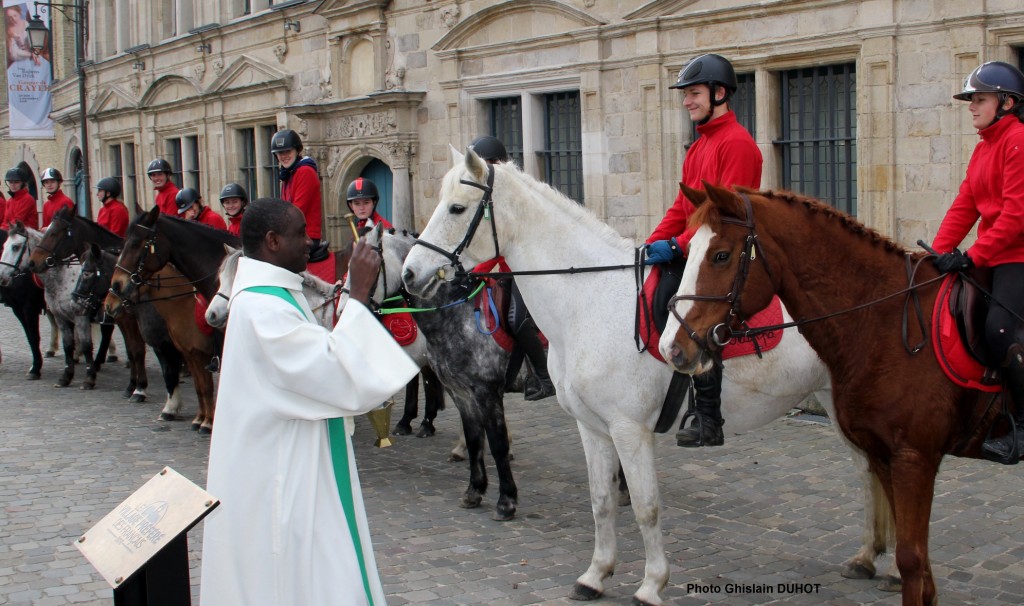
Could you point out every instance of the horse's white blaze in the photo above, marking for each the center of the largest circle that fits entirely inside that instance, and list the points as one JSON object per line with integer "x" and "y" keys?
{"x": 613, "y": 393}
{"x": 9, "y": 259}
{"x": 699, "y": 245}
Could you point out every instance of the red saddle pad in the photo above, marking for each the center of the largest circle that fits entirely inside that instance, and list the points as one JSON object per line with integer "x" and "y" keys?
{"x": 954, "y": 359}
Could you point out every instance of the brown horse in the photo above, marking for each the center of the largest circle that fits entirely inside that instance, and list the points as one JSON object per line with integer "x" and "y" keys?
{"x": 891, "y": 401}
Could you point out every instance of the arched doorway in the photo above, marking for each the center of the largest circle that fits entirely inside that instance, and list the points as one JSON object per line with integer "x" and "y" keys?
{"x": 380, "y": 174}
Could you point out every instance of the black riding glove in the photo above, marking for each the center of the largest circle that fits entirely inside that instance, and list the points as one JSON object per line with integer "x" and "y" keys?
{"x": 953, "y": 261}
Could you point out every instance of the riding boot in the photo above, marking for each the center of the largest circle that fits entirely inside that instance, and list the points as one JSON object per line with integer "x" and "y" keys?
{"x": 529, "y": 341}
{"x": 1009, "y": 448}
{"x": 218, "y": 347}
{"x": 706, "y": 427}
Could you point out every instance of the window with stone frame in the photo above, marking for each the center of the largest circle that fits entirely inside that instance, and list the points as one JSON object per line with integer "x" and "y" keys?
{"x": 742, "y": 103}
{"x": 506, "y": 124}
{"x": 247, "y": 164}
{"x": 173, "y": 155}
{"x": 818, "y": 135}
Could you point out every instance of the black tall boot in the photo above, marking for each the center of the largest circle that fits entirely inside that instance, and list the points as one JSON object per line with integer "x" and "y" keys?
{"x": 706, "y": 427}
{"x": 529, "y": 341}
{"x": 218, "y": 349}
{"x": 1009, "y": 448}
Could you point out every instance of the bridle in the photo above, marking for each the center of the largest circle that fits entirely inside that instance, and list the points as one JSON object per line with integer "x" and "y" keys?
{"x": 484, "y": 210}
{"x": 137, "y": 278}
{"x": 65, "y": 232}
{"x": 16, "y": 266}
{"x": 720, "y": 334}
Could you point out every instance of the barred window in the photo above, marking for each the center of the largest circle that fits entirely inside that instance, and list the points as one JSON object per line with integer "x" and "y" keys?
{"x": 741, "y": 103}
{"x": 819, "y": 133}
{"x": 131, "y": 183}
{"x": 174, "y": 157}
{"x": 191, "y": 166}
{"x": 247, "y": 168}
{"x": 115, "y": 164}
{"x": 270, "y": 166}
{"x": 562, "y": 156}
{"x": 506, "y": 122}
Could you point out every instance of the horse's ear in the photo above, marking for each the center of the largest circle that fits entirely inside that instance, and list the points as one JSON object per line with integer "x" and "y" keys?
{"x": 228, "y": 249}
{"x": 94, "y": 250}
{"x": 152, "y": 215}
{"x": 475, "y": 165}
{"x": 726, "y": 200}
{"x": 454, "y": 154}
{"x": 697, "y": 196}
{"x": 17, "y": 228}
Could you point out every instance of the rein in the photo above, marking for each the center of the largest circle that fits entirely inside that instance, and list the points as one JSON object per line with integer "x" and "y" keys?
{"x": 722, "y": 333}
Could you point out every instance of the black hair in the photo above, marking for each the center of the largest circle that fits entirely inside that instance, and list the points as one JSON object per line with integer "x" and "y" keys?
{"x": 263, "y": 215}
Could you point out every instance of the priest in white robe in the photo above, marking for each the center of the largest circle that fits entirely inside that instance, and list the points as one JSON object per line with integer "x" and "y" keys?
{"x": 291, "y": 528}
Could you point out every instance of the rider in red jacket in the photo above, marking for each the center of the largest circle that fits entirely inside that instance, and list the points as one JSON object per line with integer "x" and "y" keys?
{"x": 114, "y": 214}
{"x": 21, "y": 206}
{"x": 993, "y": 192}
{"x": 159, "y": 172}
{"x": 190, "y": 206}
{"x": 362, "y": 200}
{"x": 234, "y": 199}
{"x": 724, "y": 154}
{"x": 300, "y": 181}
{"x": 57, "y": 199}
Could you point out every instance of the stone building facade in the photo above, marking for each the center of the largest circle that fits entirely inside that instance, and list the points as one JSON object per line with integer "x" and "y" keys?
{"x": 848, "y": 100}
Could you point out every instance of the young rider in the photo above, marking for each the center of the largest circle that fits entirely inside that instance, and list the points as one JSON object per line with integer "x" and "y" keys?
{"x": 724, "y": 154}
{"x": 993, "y": 191}
{"x": 159, "y": 172}
{"x": 362, "y": 198}
{"x": 300, "y": 185}
{"x": 190, "y": 206}
{"x": 56, "y": 198}
{"x": 523, "y": 328}
{"x": 114, "y": 214}
{"x": 234, "y": 199}
{"x": 21, "y": 206}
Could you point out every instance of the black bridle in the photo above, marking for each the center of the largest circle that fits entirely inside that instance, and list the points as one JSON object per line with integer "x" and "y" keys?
{"x": 720, "y": 334}
{"x": 16, "y": 273}
{"x": 484, "y": 210}
{"x": 64, "y": 233}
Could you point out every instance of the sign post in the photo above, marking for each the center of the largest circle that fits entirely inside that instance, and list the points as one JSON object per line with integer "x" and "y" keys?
{"x": 141, "y": 546}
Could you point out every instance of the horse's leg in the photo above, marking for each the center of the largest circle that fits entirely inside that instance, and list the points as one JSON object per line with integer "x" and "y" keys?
{"x": 877, "y": 532}
{"x": 136, "y": 350}
{"x": 93, "y": 369}
{"x": 624, "y": 500}
{"x": 497, "y": 436}
{"x": 203, "y": 382}
{"x": 51, "y": 351}
{"x": 634, "y": 445}
{"x": 472, "y": 427}
{"x": 601, "y": 464}
{"x": 170, "y": 360}
{"x": 412, "y": 395}
{"x": 433, "y": 401}
{"x": 29, "y": 321}
{"x": 912, "y": 487}
{"x": 67, "y": 335}
{"x": 83, "y": 334}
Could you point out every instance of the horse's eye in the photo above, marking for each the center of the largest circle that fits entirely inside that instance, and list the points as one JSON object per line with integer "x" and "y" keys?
{"x": 456, "y": 209}
{"x": 721, "y": 257}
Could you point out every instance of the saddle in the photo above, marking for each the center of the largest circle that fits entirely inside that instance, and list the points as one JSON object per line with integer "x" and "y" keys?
{"x": 958, "y": 332}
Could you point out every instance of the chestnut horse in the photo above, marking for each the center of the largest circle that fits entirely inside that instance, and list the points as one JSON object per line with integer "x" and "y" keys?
{"x": 849, "y": 285}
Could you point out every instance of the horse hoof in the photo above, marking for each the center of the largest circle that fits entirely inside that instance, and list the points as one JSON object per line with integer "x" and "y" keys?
{"x": 454, "y": 458}
{"x": 426, "y": 432}
{"x": 137, "y": 398}
{"x": 504, "y": 514}
{"x": 891, "y": 584}
{"x": 858, "y": 571}
{"x": 127, "y": 393}
{"x": 33, "y": 376}
{"x": 195, "y": 426}
{"x": 638, "y": 602}
{"x": 111, "y": 359}
{"x": 166, "y": 416}
{"x": 62, "y": 383}
{"x": 582, "y": 593}
{"x": 205, "y": 431}
{"x": 50, "y": 354}
{"x": 401, "y": 430}
{"x": 88, "y": 386}
{"x": 470, "y": 502}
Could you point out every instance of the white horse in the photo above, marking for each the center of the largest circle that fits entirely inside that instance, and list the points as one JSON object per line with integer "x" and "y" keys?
{"x": 614, "y": 393}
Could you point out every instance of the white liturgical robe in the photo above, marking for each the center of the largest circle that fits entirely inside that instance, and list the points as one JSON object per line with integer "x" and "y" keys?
{"x": 281, "y": 536}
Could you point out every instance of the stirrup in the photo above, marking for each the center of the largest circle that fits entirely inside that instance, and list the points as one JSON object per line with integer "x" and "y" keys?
{"x": 1012, "y": 456}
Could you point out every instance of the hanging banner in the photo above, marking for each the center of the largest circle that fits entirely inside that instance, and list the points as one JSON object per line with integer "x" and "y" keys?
{"x": 29, "y": 75}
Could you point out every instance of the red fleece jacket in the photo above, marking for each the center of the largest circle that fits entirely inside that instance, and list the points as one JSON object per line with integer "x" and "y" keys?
{"x": 21, "y": 207}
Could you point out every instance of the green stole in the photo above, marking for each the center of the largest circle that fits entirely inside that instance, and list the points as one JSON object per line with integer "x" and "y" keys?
{"x": 339, "y": 454}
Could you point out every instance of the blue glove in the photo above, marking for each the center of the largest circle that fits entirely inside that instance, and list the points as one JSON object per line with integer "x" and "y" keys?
{"x": 953, "y": 261}
{"x": 663, "y": 251}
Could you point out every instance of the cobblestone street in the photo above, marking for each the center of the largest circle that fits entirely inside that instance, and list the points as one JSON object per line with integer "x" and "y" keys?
{"x": 778, "y": 509}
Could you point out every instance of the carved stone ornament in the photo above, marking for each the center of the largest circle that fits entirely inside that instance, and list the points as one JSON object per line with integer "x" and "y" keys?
{"x": 365, "y": 125}
{"x": 450, "y": 16}
{"x": 135, "y": 83}
{"x": 332, "y": 166}
{"x": 218, "y": 66}
{"x": 398, "y": 153}
{"x": 394, "y": 79}
{"x": 200, "y": 70}
{"x": 280, "y": 50}
{"x": 303, "y": 128}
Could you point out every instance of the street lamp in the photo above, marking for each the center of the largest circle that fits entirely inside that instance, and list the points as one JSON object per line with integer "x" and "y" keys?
{"x": 38, "y": 39}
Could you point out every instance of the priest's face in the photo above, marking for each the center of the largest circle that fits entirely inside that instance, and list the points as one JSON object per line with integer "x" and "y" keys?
{"x": 292, "y": 243}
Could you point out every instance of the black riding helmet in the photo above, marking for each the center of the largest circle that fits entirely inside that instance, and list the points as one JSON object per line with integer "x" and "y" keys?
{"x": 995, "y": 77}
{"x": 17, "y": 174}
{"x": 159, "y": 166}
{"x": 110, "y": 185}
{"x": 234, "y": 190}
{"x": 285, "y": 139}
{"x": 490, "y": 148}
{"x": 711, "y": 69}
{"x": 362, "y": 188}
{"x": 185, "y": 199}
{"x": 51, "y": 173}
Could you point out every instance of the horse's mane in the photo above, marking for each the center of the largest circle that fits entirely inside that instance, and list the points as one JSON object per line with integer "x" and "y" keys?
{"x": 708, "y": 214}
{"x": 97, "y": 226}
{"x": 575, "y": 210}
{"x": 217, "y": 235}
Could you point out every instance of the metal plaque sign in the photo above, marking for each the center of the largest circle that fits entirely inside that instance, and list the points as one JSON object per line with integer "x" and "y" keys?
{"x": 137, "y": 529}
